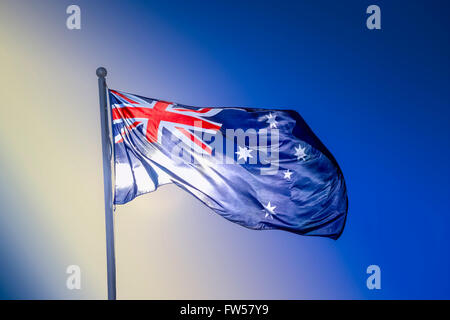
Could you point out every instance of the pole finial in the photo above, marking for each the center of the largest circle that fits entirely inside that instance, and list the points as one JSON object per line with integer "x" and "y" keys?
{"x": 101, "y": 72}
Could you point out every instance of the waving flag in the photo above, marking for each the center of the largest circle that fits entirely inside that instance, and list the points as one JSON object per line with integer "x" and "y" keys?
{"x": 262, "y": 169}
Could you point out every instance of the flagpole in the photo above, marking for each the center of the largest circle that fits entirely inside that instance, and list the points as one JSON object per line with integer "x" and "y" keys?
{"x": 107, "y": 176}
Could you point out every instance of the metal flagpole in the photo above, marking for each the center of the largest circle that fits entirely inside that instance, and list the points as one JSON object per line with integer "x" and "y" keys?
{"x": 107, "y": 177}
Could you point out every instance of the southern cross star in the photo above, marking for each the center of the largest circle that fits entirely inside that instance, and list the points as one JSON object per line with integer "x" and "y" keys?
{"x": 244, "y": 153}
{"x": 270, "y": 210}
{"x": 271, "y": 120}
{"x": 300, "y": 152}
{"x": 287, "y": 174}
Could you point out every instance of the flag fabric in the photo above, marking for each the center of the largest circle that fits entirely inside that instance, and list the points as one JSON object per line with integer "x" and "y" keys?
{"x": 260, "y": 168}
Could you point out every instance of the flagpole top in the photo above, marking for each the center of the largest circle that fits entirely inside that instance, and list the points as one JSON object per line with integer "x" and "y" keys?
{"x": 101, "y": 72}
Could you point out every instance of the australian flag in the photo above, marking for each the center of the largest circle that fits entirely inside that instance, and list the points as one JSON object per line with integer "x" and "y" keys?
{"x": 262, "y": 169}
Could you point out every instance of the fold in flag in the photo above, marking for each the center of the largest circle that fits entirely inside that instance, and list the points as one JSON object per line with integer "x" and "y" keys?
{"x": 262, "y": 169}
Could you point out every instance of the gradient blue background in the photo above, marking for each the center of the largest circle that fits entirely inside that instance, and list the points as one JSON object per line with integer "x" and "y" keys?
{"x": 378, "y": 99}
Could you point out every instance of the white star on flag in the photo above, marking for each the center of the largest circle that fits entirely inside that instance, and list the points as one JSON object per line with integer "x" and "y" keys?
{"x": 270, "y": 210}
{"x": 244, "y": 153}
{"x": 271, "y": 120}
{"x": 287, "y": 174}
{"x": 300, "y": 153}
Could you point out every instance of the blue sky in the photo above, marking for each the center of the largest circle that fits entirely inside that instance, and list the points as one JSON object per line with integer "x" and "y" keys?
{"x": 378, "y": 99}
